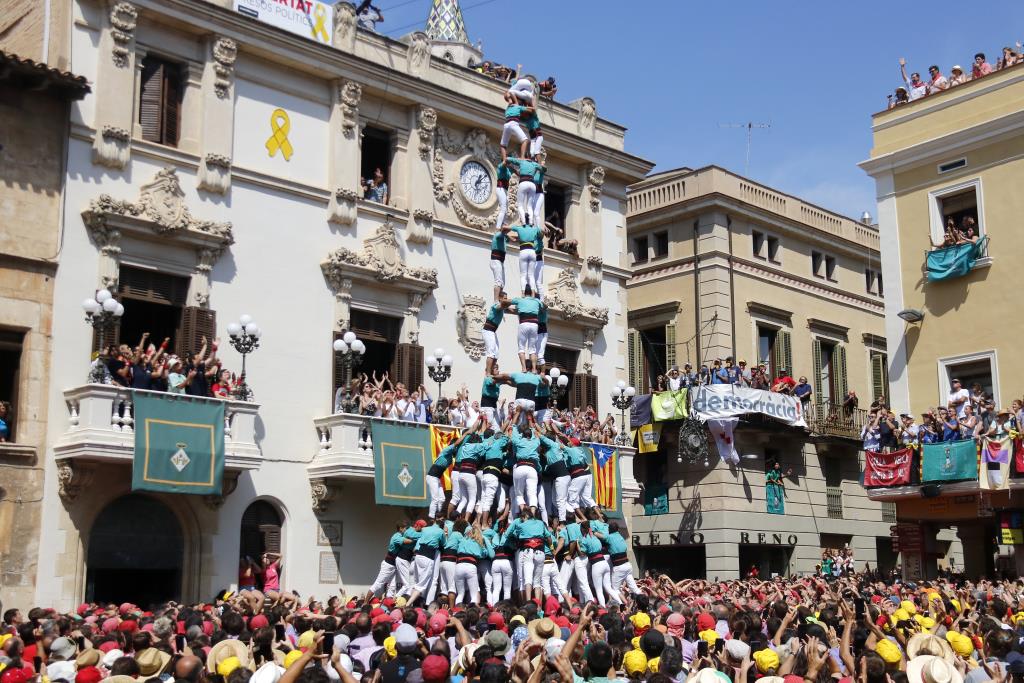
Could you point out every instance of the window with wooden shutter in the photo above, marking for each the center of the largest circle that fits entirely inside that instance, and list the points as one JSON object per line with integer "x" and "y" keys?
{"x": 816, "y": 356}
{"x": 196, "y": 323}
{"x": 161, "y": 90}
{"x": 111, "y": 336}
{"x": 592, "y": 392}
{"x": 636, "y": 358}
{"x": 839, "y": 374}
{"x": 153, "y": 286}
{"x": 271, "y": 537}
{"x": 583, "y": 391}
{"x": 782, "y": 353}
{"x": 670, "y": 346}
{"x": 260, "y": 530}
{"x": 879, "y": 376}
{"x": 407, "y": 367}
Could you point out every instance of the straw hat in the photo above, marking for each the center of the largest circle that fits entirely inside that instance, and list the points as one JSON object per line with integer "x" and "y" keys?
{"x": 225, "y": 649}
{"x": 542, "y": 629}
{"x": 932, "y": 669}
{"x": 152, "y": 663}
{"x": 921, "y": 644}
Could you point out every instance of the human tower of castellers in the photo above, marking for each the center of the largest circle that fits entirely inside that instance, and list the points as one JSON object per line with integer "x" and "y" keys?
{"x": 522, "y": 522}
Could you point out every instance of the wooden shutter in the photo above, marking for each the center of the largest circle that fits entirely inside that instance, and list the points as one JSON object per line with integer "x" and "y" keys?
{"x": 636, "y": 358}
{"x": 670, "y": 346}
{"x": 153, "y": 286}
{"x": 783, "y": 352}
{"x": 407, "y": 367}
{"x": 577, "y": 391}
{"x": 151, "y": 98}
{"x": 816, "y": 355}
{"x": 271, "y": 537}
{"x": 839, "y": 373}
{"x": 111, "y": 336}
{"x": 196, "y": 323}
{"x": 590, "y": 382}
{"x": 173, "y": 89}
{"x": 879, "y": 376}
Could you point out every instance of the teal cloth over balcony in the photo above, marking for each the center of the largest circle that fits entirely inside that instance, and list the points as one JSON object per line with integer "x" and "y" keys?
{"x": 956, "y": 261}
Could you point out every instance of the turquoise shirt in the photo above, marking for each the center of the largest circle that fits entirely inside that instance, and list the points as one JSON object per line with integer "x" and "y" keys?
{"x": 616, "y": 543}
{"x": 527, "y": 305}
{"x": 470, "y": 452}
{"x": 495, "y": 314}
{"x": 527, "y": 169}
{"x": 444, "y": 458}
{"x": 412, "y": 534}
{"x": 577, "y": 456}
{"x": 542, "y": 314}
{"x": 572, "y": 532}
{"x": 599, "y": 526}
{"x": 451, "y": 544}
{"x": 532, "y": 120}
{"x": 504, "y": 172}
{"x": 590, "y": 544}
{"x": 543, "y": 389}
{"x": 491, "y": 388}
{"x": 538, "y": 176}
{"x": 528, "y": 235}
{"x": 395, "y": 544}
{"x": 491, "y": 536}
{"x": 513, "y": 111}
{"x": 525, "y": 529}
{"x": 495, "y": 448}
{"x": 430, "y": 538}
{"x": 469, "y": 547}
{"x": 526, "y": 449}
{"x": 499, "y": 241}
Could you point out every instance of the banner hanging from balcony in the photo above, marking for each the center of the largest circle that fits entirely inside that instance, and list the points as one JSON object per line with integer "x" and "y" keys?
{"x": 994, "y": 469}
{"x": 669, "y": 405}
{"x": 949, "y": 461}
{"x": 774, "y": 492}
{"x": 887, "y": 469}
{"x": 179, "y": 444}
{"x": 647, "y": 438}
{"x": 607, "y": 485}
{"x": 726, "y": 400}
{"x": 402, "y": 453}
{"x": 440, "y": 438}
{"x": 953, "y": 262}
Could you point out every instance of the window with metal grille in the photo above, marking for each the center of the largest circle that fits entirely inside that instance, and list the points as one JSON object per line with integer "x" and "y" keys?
{"x": 160, "y": 95}
{"x": 888, "y": 511}
{"x": 834, "y": 498}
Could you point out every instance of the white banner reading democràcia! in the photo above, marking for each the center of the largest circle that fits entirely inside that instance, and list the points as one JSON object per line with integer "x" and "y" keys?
{"x": 726, "y": 400}
{"x": 309, "y": 18}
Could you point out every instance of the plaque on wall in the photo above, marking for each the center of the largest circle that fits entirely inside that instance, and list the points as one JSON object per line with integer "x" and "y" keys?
{"x": 329, "y": 570}
{"x": 329, "y": 533}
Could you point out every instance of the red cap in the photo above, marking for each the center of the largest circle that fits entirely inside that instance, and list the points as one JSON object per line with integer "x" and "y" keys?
{"x": 551, "y": 606}
{"x": 89, "y": 674}
{"x": 82, "y": 609}
{"x": 574, "y": 441}
{"x": 497, "y": 620}
{"x": 106, "y": 646}
{"x": 419, "y": 524}
{"x": 16, "y": 675}
{"x": 258, "y": 621}
{"x": 376, "y": 612}
{"x": 434, "y": 669}
{"x": 705, "y": 621}
{"x": 388, "y": 602}
{"x": 130, "y": 626}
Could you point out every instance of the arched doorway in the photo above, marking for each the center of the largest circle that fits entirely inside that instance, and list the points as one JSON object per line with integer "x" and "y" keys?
{"x": 261, "y": 530}
{"x": 136, "y": 552}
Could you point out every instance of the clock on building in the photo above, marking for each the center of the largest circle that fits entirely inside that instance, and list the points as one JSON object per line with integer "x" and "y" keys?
{"x": 475, "y": 182}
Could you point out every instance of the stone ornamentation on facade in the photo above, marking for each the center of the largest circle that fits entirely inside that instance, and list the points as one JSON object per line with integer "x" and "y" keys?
{"x": 123, "y": 20}
{"x": 589, "y": 334}
{"x": 592, "y": 271}
{"x": 427, "y": 125}
{"x": 470, "y": 324}
{"x": 475, "y": 143}
{"x": 419, "y": 54}
{"x": 381, "y": 254}
{"x": 587, "y": 117}
{"x": 225, "y": 51}
{"x": 349, "y": 95}
{"x": 162, "y": 203}
{"x": 595, "y": 181}
{"x": 112, "y": 146}
{"x": 420, "y": 227}
{"x": 321, "y": 495}
{"x": 344, "y": 37}
{"x": 72, "y": 479}
{"x": 215, "y": 173}
{"x": 343, "y": 208}
{"x": 563, "y": 297}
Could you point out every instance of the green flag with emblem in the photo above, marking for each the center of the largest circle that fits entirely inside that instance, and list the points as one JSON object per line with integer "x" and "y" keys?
{"x": 179, "y": 443}
{"x": 401, "y": 458}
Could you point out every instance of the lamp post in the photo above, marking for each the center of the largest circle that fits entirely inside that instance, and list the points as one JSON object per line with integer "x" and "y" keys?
{"x": 351, "y": 349}
{"x": 245, "y": 338}
{"x": 559, "y": 384}
{"x": 622, "y": 398}
{"x": 439, "y": 367}
{"x": 102, "y": 312}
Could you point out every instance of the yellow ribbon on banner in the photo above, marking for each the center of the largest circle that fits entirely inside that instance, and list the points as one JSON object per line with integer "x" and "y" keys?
{"x": 319, "y": 28}
{"x": 280, "y": 125}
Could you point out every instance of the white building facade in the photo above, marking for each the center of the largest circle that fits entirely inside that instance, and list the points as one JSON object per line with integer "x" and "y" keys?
{"x": 214, "y": 171}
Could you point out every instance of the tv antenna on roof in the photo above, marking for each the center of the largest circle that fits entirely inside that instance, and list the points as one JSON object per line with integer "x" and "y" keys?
{"x": 750, "y": 126}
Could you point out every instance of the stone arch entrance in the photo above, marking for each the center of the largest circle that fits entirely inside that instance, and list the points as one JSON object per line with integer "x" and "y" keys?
{"x": 261, "y": 530}
{"x": 136, "y": 553}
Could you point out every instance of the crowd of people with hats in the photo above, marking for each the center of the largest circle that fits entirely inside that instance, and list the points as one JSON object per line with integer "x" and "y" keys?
{"x": 797, "y": 630}
{"x": 915, "y": 87}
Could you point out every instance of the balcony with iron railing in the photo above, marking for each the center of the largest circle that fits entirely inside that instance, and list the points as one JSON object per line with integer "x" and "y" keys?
{"x": 837, "y": 420}
{"x": 101, "y": 427}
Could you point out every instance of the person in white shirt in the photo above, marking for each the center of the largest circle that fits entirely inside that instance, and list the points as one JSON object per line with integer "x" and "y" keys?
{"x": 909, "y": 430}
{"x": 367, "y": 16}
{"x": 915, "y": 86}
{"x": 938, "y": 82}
{"x": 958, "y": 397}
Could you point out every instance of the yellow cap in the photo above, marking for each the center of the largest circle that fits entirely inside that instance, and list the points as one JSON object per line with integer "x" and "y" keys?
{"x": 652, "y": 665}
{"x": 927, "y": 624}
{"x": 291, "y": 657}
{"x": 888, "y": 651}
{"x": 641, "y": 620}
{"x": 228, "y": 665}
{"x": 910, "y": 607}
{"x": 962, "y": 645}
{"x": 635, "y": 662}
{"x": 766, "y": 660}
{"x": 635, "y": 642}
{"x": 709, "y": 635}
{"x": 956, "y": 604}
{"x": 900, "y": 615}
{"x": 307, "y": 640}
{"x": 390, "y": 647}
{"x": 400, "y": 602}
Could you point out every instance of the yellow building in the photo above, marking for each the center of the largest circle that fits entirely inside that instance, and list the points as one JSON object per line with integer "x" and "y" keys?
{"x": 952, "y": 156}
{"x": 723, "y": 266}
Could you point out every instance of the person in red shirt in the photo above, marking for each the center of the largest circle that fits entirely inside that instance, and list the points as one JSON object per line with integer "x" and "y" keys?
{"x": 784, "y": 384}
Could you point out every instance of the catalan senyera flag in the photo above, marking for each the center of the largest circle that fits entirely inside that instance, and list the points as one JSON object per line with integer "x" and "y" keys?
{"x": 441, "y": 437}
{"x": 607, "y": 485}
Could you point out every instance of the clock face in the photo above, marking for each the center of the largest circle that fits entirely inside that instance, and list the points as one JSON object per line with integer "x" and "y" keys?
{"x": 475, "y": 182}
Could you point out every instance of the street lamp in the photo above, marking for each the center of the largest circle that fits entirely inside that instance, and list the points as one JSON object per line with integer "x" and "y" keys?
{"x": 351, "y": 349}
{"x": 622, "y": 398}
{"x": 102, "y": 312}
{"x": 439, "y": 367}
{"x": 245, "y": 338}
{"x": 559, "y": 384}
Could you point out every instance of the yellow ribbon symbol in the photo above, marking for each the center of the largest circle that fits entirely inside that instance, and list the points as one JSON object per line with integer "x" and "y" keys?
{"x": 280, "y": 125}
{"x": 319, "y": 29}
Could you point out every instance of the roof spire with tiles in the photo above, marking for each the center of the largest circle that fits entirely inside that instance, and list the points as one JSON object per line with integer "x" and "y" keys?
{"x": 445, "y": 22}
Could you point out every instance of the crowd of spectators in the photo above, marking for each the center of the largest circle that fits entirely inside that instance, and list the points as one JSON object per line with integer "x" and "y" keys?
{"x": 967, "y": 414}
{"x": 505, "y": 74}
{"x": 847, "y": 628}
{"x": 915, "y": 87}
{"x": 836, "y": 562}
{"x": 738, "y": 374}
{"x": 153, "y": 368}
{"x": 953, "y": 235}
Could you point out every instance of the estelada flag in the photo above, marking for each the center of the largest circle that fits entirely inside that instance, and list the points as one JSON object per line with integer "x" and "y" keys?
{"x": 887, "y": 469}
{"x": 441, "y": 437}
{"x": 605, "y": 467}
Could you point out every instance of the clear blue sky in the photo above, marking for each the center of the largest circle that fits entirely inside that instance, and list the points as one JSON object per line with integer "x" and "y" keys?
{"x": 673, "y": 70}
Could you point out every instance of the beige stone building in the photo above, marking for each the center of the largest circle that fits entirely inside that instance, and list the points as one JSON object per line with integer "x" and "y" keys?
{"x": 34, "y": 105}
{"x": 724, "y": 266}
{"x": 951, "y": 156}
